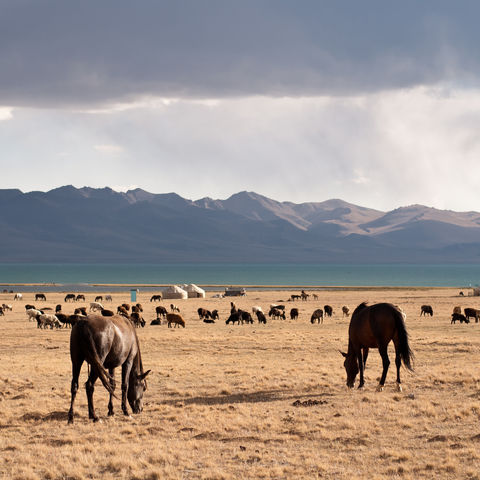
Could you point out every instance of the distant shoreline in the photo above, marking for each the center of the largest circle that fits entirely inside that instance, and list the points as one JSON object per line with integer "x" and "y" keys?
{"x": 217, "y": 287}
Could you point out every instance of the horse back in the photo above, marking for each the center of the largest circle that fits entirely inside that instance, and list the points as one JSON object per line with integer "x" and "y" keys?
{"x": 373, "y": 326}
{"x": 113, "y": 337}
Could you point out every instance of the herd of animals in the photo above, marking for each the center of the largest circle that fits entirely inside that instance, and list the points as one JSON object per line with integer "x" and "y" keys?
{"x": 108, "y": 339}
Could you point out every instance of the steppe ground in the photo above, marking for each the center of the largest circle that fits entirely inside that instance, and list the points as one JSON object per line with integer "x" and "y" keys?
{"x": 220, "y": 400}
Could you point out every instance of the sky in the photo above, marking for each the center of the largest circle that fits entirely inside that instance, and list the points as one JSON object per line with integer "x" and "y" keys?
{"x": 374, "y": 102}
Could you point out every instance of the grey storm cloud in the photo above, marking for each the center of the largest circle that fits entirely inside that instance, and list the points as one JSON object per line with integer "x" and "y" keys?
{"x": 55, "y": 53}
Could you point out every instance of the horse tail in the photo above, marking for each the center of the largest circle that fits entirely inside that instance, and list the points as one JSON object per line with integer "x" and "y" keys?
{"x": 404, "y": 349}
{"x": 93, "y": 359}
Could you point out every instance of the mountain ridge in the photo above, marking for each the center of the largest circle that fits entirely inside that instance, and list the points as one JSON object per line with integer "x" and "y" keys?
{"x": 99, "y": 224}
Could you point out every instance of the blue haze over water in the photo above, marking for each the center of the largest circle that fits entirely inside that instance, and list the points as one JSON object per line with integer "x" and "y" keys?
{"x": 82, "y": 275}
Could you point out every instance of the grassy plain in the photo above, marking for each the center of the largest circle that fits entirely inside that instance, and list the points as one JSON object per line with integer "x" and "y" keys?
{"x": 220, "y": 399}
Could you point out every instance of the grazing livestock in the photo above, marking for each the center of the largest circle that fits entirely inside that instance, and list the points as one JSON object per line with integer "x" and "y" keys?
{"x": 18, "y": 296}
{"x": 203, "y": 313}
{"x": 460, "y": 317}
{"x": 457, "y": 310}
{"x": 69, "y": 297}
{"x": 94, "y": 306}
{"x": 2, "y": 313}
{"x": 256, "y": 309}
{"x": 176, "y": 319}
{"x": 107, "y": 313}
{"x": 472, "y": 313}
{"x": 156, "y": 321}
{"x": 276, "y": 313}
{"x": 32, "y": 314}
{"x": 7, "y": 307}
{"x": 374, "y": 327}
{"x": 174, "y": 308}
{"x": 137, "y": 319}
{"x": 99, "y": 298}
{"x": 233, "y": 308}
{"x": 106, "y": 343}
{"x": 161, "y": 311}
{"x": 295, "y": 297}
{"x": 345, "y": 311}
{"x": 139, "y": 307}
{"x": 80, "y": 297}
{"x": 121, "y": 310}
{"x": 58, "y": 308}
{"x": 40, "y": 296}
{"x": 234, "y": 317}
{"x": 278, "y": 307}
{"x": 304, "y": 296}
{"x": 294, "y": 314}
{"x": 426, "y": 309}
{"x": 126, "y": 306}
{"x": 214, "y": 315}
{"x": 28, "y": 307}
{"x": 328, "y": 310}
{"x": 44, "y": 320}
{"x": 156, "y": 298}
{"x": 108, "y": 298}
{"x": 245, "y": 316}
{"x": 315, "y": 296}
{"x": 80, "y": 311}
{"x": 317, "y": 315}
{"x": 63, "y": 319}
{"x": 261, "y": 317}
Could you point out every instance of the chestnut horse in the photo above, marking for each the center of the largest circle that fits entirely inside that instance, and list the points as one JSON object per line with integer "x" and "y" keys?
{"x": 374, "y": 327}
{"x": 107, "y": 343}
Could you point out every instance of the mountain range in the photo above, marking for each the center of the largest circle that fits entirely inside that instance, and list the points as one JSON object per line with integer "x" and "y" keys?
{"x": 71, "y": 224}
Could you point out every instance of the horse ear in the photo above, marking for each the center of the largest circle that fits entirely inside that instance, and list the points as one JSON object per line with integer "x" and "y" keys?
{"x": 143, "y": 375}
{"x": 343, "y": 353}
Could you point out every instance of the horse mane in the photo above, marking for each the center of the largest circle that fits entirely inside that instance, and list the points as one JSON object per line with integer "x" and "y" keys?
{"x": 361, "y": 307}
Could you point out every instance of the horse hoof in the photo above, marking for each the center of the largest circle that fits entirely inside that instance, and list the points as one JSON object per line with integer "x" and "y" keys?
{"x": 380, "y": 388}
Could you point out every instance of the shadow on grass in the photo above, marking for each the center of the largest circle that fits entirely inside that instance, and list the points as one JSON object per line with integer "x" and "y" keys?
{"x": 45, "y": 417}
{"x": 262, "y": 396}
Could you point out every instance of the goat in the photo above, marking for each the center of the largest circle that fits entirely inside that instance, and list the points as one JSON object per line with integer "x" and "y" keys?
{"x": 174, "y": 308}
{"x": 161, "y": 311}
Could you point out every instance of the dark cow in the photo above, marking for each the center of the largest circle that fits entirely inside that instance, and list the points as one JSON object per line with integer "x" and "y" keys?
{"x": 261, "y": 317}
{"x": 426, "y": 309}
{"x": 204, "y": 313}
{"x": 79, "y": 297}
{"x": 461, "y": 318}
{"x": 317, "y": 315}
{"x": 234, "y": 317}
{"x": 40, "y": 296}
{"x": 328, "y": 310}
{"x": 293, "y": 313}
{"x": 472, "y": 313}
{"x": 276, "y": 313}
{"x": 156, "y": 298}
{"x": 69, "y": 297}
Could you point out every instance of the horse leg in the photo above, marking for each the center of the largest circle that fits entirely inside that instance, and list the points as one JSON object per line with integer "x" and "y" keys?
{"x": 89, "y": 387}
{"x": 126, "y": 367}
{"x": 398, "y": 364}
{"x": 76, "y": 367}
{"x": 386, "y": 363}
{"x": 360, "y": 367}
{"x": 111, "y": 371}
{"x": 365, "y": 355}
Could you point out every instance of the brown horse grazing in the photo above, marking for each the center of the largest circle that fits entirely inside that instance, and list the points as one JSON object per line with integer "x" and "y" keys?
{"x": 106, "y": 343}
{"x": 373, "y": 327}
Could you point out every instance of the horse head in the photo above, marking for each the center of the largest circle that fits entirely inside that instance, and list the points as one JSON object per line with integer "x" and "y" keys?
{"x": 351, "y": 367}
{"x": 136, "y": 386}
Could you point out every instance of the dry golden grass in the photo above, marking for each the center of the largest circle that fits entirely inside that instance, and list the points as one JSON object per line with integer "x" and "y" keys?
{"x": 220, "y": 398}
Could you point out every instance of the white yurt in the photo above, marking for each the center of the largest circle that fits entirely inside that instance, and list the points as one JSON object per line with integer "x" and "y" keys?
{"x": 194, "y": 292}
{"x": 174, "y": 292}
